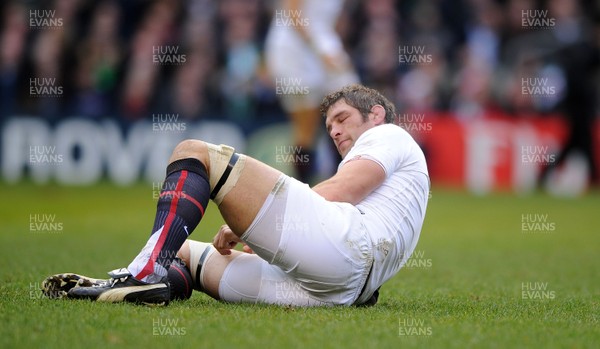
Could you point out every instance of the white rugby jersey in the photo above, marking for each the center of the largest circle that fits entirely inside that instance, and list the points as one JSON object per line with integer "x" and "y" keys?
{"x": 394, "y": 212}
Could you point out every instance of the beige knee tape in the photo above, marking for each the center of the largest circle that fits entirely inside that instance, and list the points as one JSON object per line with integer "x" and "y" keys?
{"x": 219, "y": 156}
{"x": 199, "y": 253}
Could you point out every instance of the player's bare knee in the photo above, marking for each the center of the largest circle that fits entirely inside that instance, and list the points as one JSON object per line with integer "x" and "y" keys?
{"x": 222, "y": 164}
{"x": 184, "y": 253}
{"x": 191, "y": 148}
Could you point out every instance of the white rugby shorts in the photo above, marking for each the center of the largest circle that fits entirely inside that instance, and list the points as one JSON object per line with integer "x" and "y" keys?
{"x": 309, "y": 251}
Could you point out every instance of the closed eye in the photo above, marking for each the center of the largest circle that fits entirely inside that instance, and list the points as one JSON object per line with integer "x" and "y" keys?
{"x": 340, "y": 117}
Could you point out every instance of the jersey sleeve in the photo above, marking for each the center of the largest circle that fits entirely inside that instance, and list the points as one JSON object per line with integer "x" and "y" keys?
{"x": 381, "y": 144}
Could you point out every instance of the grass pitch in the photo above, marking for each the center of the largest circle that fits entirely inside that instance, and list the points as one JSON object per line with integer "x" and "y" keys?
{"x": 499, "y": 271}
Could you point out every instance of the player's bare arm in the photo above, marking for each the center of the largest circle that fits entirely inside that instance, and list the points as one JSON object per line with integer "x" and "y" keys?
{"x": 353, "y": 182}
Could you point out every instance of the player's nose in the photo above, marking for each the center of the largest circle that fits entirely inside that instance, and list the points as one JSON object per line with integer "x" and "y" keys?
{"x": 334, "y": 132}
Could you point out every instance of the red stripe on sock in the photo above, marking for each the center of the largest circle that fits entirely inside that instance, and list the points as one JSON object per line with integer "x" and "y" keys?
{"x": 185, "y": 196}
{"x": 149, "y": 267}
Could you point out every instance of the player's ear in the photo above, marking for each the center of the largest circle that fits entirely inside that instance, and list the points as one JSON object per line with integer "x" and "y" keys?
{"x": 377, "y": 114}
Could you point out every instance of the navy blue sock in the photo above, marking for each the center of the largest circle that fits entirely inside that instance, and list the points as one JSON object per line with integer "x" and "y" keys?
{"x": 181, "y": 205}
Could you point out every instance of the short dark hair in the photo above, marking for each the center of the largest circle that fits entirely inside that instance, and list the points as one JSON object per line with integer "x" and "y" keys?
{"x": 361, "y": 98}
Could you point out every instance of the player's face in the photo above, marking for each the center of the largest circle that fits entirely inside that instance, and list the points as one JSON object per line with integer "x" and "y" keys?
{"x": 345, "y": 124}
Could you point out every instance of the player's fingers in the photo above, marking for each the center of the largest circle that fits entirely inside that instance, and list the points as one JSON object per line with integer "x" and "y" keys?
{"x": 229, "y": 235}
{"x": 225, "y": 240}
{"x": 219, "y": 243}
{"x": 225, "y": 252}
{"x": 219, "y": 237}
{"x": 247, "y": 249}
{"x": 223, "y": 229}
{"x": 222, "y": 245}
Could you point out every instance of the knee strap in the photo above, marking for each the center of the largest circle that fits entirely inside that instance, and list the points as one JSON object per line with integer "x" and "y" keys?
{"x": 199, "y": 253}
{"x": 225, "y": 170}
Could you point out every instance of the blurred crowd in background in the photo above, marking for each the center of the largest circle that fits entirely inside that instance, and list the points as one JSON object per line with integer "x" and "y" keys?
{"x": 479, "y": 53}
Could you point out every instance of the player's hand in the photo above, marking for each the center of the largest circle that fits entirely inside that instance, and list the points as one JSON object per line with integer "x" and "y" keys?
{"x": 226, "y": 240}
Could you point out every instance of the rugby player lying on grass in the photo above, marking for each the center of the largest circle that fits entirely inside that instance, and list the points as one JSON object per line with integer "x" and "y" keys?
{"x": 333, "y": 244}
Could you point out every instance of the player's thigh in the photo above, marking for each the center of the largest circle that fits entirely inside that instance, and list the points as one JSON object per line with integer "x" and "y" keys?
{"x": 241, "y": 205}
